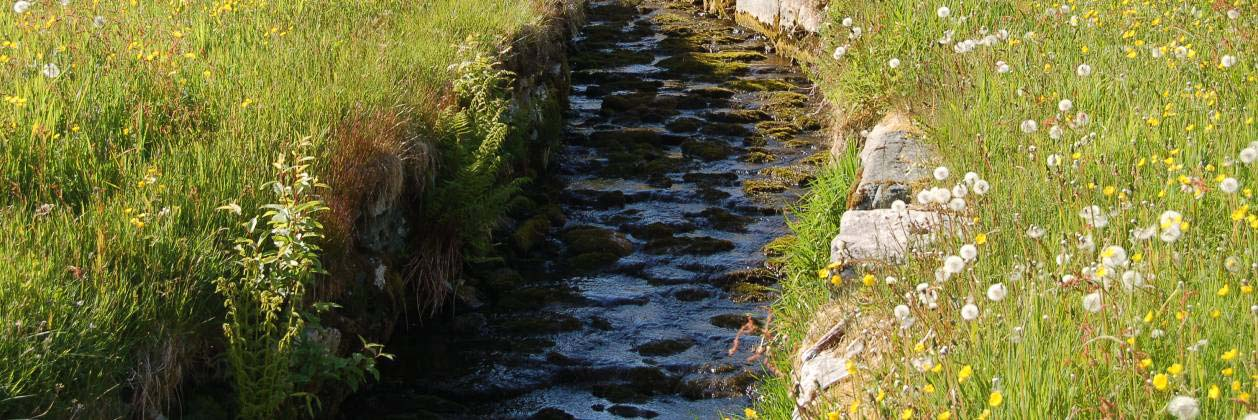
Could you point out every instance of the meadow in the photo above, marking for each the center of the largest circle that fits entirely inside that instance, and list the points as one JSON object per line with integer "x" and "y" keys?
{"x": 1109, "y": 272}
{"x": 126, "y": 124}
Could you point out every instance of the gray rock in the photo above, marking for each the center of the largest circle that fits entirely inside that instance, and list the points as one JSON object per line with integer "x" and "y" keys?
{"x": 892, "y": 161}
{"x": 885, "y": 234}
{"x": 803, "y": 14}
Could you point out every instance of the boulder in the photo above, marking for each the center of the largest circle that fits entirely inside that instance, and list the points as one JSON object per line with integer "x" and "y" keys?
{"x": 892, "y": 161}
{"x": 885, "y": 234}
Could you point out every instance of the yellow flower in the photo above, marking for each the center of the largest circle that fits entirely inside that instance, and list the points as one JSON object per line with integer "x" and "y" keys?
{"x": 929, "y": 389}
{"x": 980, "y": 239}
{"x": 823, "y": 273}
{"x": 1109, "y": 190}
{"x": 1223, "y": 291}
{"x": 869, "y": 280}
{"x": 1214, "y": 392}
{"x": 1145, "y": 363}
{"x": 853, "y": 407}
{"x": 1243, "y": 397}
{"x": 1247, "y": 289}
{"x": 882, "y": 395}
{"x": 1175, "y": 369}
{"x": 1227, "y": 371}
{"x": 964, "y": 374}
{"x": 836, "y": 280}
{"x": 995, "y": 399}
{"x": 906, "y": 414}
{"x": 1236, "y": 386}
{"x": 985, "y": 415}
{"x": 832, "y": 416}
{"x": 750, "y": 413}
{"x": 944, "y": 416}
{"x": 1160, "y": 381}
{"x": 1148, "y": 317}
{"x": 851, "y": 368}
{"x": 937, "y": 368}
{"x": 919, "y": 347}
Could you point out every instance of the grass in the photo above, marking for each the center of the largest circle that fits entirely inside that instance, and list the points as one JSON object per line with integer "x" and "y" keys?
{"x": 155, "y": 114}
{"x": 1166, "y": 122}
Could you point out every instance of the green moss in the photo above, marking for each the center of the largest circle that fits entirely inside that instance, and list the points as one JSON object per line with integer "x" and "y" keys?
{"x": 530, "y": 233}
{"x": 763, "y": 186}
{"x": 584, "y": 240}
{"x": 706, "y": 150}
{"x": 760, "y": 85}
{"x": 706, "y": 66}
{"x": 758, "y": 155}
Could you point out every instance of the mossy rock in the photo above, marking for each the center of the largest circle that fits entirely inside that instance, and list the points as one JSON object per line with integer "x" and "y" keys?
{"x": 784, "y": 102}
{"x": 748, "y": 292}
{"x": 711, "y": 178}
{"x": 798, "y": 143}
{"x": 611, "y": 58}
{"x": 763, "y": 186}
{"x": 692, "y": 294}
{"x": 758, "y": 155}
{"x": 535, "y": 297}
{"x": 794, "y": 175}
{"x": 707, "y": 66}
{"x": 619, "y": 139}
{"x": 711, "y": 194}
{"x": 540, "y": 323}
{"x": 695, "y": 245}
{"x": 722, "y": 219}
{"x": 778, "y": 129}
{"x": 779, "y": 246}
{"x": 657, "y": 230}
{"x": 707, "y": 150}
{"x": 711, "y": 92}
{"x": 665, "y": 347}
{"x": 530, "y": 233}
{"x": 741, "y": 116}
{"x": 619, "y": 393}
{"x": 684, "y": 125}
{"x": 726, "y": 129}
{"x": 760, "y": 85}
{"x": 757, "y": 275}
{"x": 817, "y": 159}
{"x": 627, "y": 101}
{"x": 731, "y": 321}
{"x": 592, "y": 261}
{"x": 584, "y": 240}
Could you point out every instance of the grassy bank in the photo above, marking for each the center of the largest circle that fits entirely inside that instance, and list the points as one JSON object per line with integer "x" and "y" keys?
{"x": 1141, "y": 306}
{"x": 125, "y": 124}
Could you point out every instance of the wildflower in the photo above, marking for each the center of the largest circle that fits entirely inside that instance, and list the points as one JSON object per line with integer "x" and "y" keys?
{"x": 1114, "y": 256}
{"x": 1183, "y": 407}
{"x": 1053, "y": 160}
{"x": 1092, "y": 302}
{"x": 869, "y": 280}
{"x": 1002, "y": 67}
{"x": 847, "y": 22}
{"x": 929, "y": 388}
{"x": 969, "y": 312}
{"x": 946, "y": 415}
{"x": 1229, "y": 185}
{"x": 1223, "y": 291}
{"x": 1143, "y": 234}
{"x": 1214, "y": 392}
{"x": 1094, "y": 216}
{"x": 1083, "y": 70}
{"x": 954, "y": 264}
{"x": 1035, "y": 232}
{"x": 98, "y": 21}
{"x": 750, "y": 413}
{"x": 995, "y": 399}
{"x": 836, "y": 280}
{"x": 1227, "y": 61}
{"x": 957, "y": 204}
{"x": 901, "y": 312}
{"x": 997, "y": 292}
{"x": 1249, "y": 155}
{"x": 980, "y": 239}
{"x": 839, "y": 52}
{"x": 943, "y": 12}
{"x": 1056, "y": 133}
{"x": 1065, "y": 105}
{"x": 1145, "y": 363}
{"x": 941, "y": 173}
{"x": 21, "y": 7}
{"x": 969, "y": 252}
{"x": 1030, "y": 126}
{"x": 1230, "y": 355}
{"x": 981, "y": 187}
{"x": 899, "y": 206}
{"x": 50, "y": 71}
{"x": 1160, "y": 381}
{"x": 906, "y": 414}
{"x": 893, "y": 63}
{"x": 1132, "y": 280}
{"x": 1175, "y": 369}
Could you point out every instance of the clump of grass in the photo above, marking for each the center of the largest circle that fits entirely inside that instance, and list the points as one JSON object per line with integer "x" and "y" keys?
{"x": 1141, "y": 306}
{"x": 125, "y": 124}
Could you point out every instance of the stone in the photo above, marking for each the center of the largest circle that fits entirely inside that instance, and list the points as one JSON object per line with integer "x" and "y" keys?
{"x": 628, "y": 411}
{"x": 892, "y": 161}
{"x": 884, "y": 235}
{"x": 806, "y": 15}
{"x": 551, "y": 413}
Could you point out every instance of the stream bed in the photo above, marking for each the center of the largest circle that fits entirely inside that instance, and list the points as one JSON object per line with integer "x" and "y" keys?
{"x": 684, "y": 142}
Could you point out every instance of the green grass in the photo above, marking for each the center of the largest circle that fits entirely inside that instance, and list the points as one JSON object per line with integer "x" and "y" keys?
{"x": 161, "y": 113}
{"x": 1164, "y": 131}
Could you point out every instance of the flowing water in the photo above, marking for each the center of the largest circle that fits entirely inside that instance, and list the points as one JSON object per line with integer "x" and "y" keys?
{"x": 684, "y": 141}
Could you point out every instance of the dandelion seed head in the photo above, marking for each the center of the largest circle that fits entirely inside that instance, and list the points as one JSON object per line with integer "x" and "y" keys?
{"x": 1183, "y": 407}
{"x": 1249, "y": 155}
{"x": 943, "y": 12}
{"x": 981, "y": 187}
{"x": 899, "y": 206}
{"x": 997, "y": 292}
{"x": 954, "y": 264}
{"x": 969, "y": 312}
{"x": 1229, "y": 185}
{"x": 50, "y": 71}
{"x": 941, "y": 173}
{"x": 21, "y": 7}
{"x": 1029, "y": 126}
{"x": 1003, "y": 67}
{"x": 1233, "y": 14}
{"x": 893, "y": 63}
{"x": 1035, "y": 232}
{"x": 956, "y": 204}
{"x": 1227, "y": 61}
{"x": 1083, "y": 70}
{"x": 1092, "y": 302}
{"x": 1065, "y": 105}
{"x": 839, "y": 52}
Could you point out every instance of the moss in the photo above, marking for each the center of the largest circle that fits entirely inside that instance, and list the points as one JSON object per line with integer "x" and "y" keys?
{"x": 530, "y": 233}
{"x": 706, "y": 66}
{"x": 612, "y": 58}
{"x": 699, "y": 245}
{"x": 544, "y": 323}
{"x": 763, "y": 186}
{"x": 760, "y": 85}
{"x": 737, "y": 116}
{"x": 684, "y": 125}
{"x": 726, "y": 129}
{"x": 758, "y": 155}
{"x": 722, "y": 219}
{"x": 731, "y": 321}
{"x": 583, "y": 240}
{"x": 707, "y": 150}
{"x": 778, "y": 129}
{"x": 779, "y": 246}
{"x": 749, "y": 292}
{"x": 794, "y": 175}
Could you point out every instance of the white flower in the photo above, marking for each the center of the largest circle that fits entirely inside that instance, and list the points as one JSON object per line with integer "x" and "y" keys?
{"x": 902, "y": 312}
{"x": 891, "y": 280}
{"x": 1170, "y": 235}
{"x": 1132, "y": 280}
{"x": 839, "y": 51}
{"x": 940, "y": 195}
{"x": 1053, "y": 160}
{"x": 893, "y": 63}
{"x": 51, "y": 71}
{"x": 970, "y": 177}
{"x": 969, "y": 312}
{"x": 1114, "y": 256}
{"x": 1056, "y": 133}
{"x": 1229, "y": 185}
{"x": 1228, "y": 61}
{"x": 1002, "y": 67}
{"x": 1065, "y": 105}
{"x": 1094, "y": 216}
{"x": 856, "y": 33}
{"x": 1035, "y": 232}
{"x": 1068, "y": 278}
{"x": 923, "y": 197}
{"x": 98, "y": 21}
{"x": 960, "y": 190}
{"x": 1250, "y": 416}
{"x": 1183, "y": 407}
{"x": 942, "y": 172}
{"x": 954, "y": 264}
{"x": 997, "y": 292}
{"x": 899, "y": 206}
{"x": 21, "y": 7}
{"x": 969, "y": 252}
{"x": 1170, "y": 219}
{"x": 1082, "y": 119}
{"x": 943, "y": 12}
{"x": 1249, "y": 155}
{"x": 957, "y": 204}
{"x": 1086, "y": 243}
{"x": 981, "y": 187}
{"x": 964, "y": 46}
{"x": 1143, "y": 234}
{"x": 847, "y": 22}
{"x": 1157, "y": 333}
{"x": 1156, "y": 52}
{"x": 1083, "y": 70}
{"x": 1029, "y": 126}
{"x": 1092, "y": 302}
{"x": 1233, "y": 14}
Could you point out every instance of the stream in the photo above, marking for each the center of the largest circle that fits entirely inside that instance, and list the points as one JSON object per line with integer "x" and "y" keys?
{"x": 683, "y": 143}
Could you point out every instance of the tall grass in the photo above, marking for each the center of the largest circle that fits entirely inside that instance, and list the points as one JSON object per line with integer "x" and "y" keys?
{"x": 1169, "y": 105}
{"x": 127, "y": 123}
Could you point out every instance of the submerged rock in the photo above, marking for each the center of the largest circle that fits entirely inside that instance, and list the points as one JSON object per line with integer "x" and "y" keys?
{"x": 665, "y": 347}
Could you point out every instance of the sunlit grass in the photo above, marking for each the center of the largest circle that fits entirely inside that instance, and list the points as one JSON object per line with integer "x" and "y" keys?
{"x": 1168, "y": 104}
{"x": 126, "y": 123}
